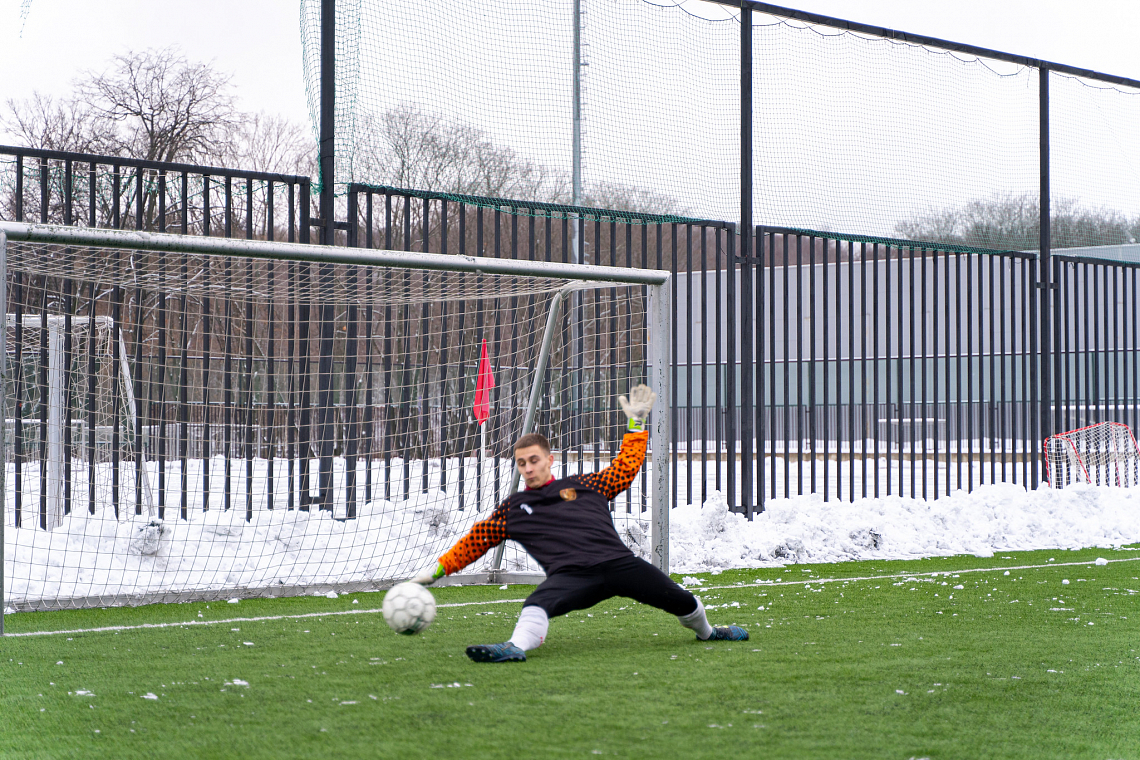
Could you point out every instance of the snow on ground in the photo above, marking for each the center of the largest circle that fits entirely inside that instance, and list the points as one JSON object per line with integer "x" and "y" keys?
{"x": 102, "y": 560}
{"x": 1002, "y": 517}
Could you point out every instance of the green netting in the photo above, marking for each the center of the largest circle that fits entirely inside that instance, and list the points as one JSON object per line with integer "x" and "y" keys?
{"x": 852, "y": 133}
{"x": 901, "y": 243}
{"x": 539, "y": 209}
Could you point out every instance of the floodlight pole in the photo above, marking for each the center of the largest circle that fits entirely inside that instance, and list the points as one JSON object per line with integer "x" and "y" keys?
{"x": 576, "y": 195}
{"x": 576, "y": 134}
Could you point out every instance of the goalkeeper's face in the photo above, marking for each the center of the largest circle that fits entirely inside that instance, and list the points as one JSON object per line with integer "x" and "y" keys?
{"x": 534, "y": 464}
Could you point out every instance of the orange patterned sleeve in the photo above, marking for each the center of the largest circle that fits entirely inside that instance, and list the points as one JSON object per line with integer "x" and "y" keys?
{"x": 621, "y": 472}
{"x": 482, "y": 536}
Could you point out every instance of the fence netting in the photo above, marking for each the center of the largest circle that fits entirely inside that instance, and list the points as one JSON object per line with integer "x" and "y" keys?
{"x": 183, "y": 426}
{"x": 852, "y": 133}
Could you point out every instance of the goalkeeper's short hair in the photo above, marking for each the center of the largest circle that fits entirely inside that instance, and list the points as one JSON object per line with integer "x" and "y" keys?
{"x": 533, "y": 439}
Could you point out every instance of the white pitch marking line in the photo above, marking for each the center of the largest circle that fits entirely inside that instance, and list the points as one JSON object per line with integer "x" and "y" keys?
{"x": 946, "y": 573}
{"x": 332, "y": 613}
{"x": 241, "y": 619}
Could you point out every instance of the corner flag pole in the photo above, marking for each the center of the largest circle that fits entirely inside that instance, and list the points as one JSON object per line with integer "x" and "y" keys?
{"x": 484, "y": 383}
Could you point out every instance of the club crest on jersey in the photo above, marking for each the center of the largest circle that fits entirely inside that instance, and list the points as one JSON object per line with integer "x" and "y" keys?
{"x": 526, "y": 508}
{"x": 568, "y": 494}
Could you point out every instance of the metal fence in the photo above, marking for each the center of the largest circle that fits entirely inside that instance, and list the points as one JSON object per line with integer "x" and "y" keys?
{"x": 822, "y": 363}
{"x": 872, "y": 367}
{"x": 83, "y": 190}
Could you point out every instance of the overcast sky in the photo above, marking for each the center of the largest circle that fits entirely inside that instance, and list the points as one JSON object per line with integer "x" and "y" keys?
{"x": 259, "y": 42}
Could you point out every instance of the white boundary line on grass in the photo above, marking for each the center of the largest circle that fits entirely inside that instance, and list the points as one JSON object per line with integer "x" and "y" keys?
{"x": 936, "y": 574}
{"x": 331, "y": 613}
{"x": 371, "y": 611}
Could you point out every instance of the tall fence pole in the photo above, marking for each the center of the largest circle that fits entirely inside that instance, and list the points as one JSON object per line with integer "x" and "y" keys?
{"x": 327, "y": 158}
{"x": 1046, "y": 283}
{"x": 327, "y": 148}
{"x": 747, "y": 370}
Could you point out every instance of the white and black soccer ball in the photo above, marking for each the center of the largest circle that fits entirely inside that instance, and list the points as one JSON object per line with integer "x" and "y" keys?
{"x": 408, "y": 608}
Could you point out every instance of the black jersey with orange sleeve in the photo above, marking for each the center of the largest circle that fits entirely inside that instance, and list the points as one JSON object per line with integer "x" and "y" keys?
{"x": 565, "y": 524}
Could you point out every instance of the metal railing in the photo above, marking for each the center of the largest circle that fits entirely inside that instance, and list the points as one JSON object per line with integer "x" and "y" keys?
{"x": 78, "y": 189}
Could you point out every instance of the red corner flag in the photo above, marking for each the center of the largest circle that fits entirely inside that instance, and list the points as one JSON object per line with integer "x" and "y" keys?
{"x": 483, "y": 385}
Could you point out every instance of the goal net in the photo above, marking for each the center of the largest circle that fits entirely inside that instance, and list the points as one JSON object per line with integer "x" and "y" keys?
{"x": 203, "y": 418}
{"x": 1104, "y": 454}
{"x": 70, "y": 385}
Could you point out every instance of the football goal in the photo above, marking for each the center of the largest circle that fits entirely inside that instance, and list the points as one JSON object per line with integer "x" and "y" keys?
{"x": 1104, "y": 454}
{"x": 202, "y": 418}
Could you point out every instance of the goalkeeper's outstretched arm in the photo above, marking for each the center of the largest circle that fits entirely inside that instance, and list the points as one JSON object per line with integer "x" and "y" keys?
{"x": 621, "y": 472}
{"x": 482, "y": 536}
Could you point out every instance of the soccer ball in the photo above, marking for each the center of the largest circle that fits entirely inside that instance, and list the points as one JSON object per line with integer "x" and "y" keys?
{"x": 408, "y": 608}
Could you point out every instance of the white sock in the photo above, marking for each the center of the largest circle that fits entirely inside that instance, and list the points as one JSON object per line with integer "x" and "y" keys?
{"x": 530, "y": 631}
{"x": 697, "y": 621}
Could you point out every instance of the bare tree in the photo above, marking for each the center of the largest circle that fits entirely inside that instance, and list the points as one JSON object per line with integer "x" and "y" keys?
{"x": 268, "y": 143}
{"x": 406, "y": 147}
{"x": 44, "y": 122}
{"x": 1013, "y": 222}
{"x": 409, "y": 148}
{"x": 151, "y": 104}
{"x": 618, "y": 197}
{"x": 154, "y": 105}
{"x": 159, "y": 106}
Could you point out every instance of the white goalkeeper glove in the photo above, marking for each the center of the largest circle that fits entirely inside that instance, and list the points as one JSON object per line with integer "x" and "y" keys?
{"x": 429, "y": 575}
{"x": 638, "y": 406}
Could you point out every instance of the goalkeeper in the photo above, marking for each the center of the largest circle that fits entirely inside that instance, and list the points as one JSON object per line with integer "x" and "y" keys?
{"x": 566, "y": 526}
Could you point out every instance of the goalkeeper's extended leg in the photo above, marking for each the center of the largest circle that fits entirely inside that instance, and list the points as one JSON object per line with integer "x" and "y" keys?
{"x": 558, "y": 594}
{"x": 699, "y": 624}
{"x": 530, "y": 632}
{"x": 637, "y": 579}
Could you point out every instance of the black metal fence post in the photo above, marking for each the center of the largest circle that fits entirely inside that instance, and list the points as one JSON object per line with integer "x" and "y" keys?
{"x": 1046, "y": 270}
{"x": 746, "y": 231}
{"x": 730, "y": 396}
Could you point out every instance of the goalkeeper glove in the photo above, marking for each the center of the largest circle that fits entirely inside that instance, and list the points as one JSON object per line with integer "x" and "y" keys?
{"x": 430, "y": 575}
{"x": 637, "y": 406}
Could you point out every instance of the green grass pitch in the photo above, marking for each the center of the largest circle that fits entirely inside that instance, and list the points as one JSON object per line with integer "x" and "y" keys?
{"x": 898, "y": 665}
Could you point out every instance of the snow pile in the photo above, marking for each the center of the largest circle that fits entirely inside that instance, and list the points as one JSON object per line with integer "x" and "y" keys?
{"x": 96, "y": 559}
{"x": 993, "y": 518}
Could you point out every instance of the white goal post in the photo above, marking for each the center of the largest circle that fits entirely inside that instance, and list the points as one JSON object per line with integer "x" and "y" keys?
{"x": 109, "y": 345}
{"x": 291, "y": 418}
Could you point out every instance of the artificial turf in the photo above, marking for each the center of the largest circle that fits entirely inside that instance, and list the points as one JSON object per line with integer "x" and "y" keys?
{"x": 1017, "y": 665}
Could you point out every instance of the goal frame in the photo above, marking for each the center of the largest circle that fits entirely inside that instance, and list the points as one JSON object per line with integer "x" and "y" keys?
{"x": 658, "y": 321}
{"x": 1066, "y": 441}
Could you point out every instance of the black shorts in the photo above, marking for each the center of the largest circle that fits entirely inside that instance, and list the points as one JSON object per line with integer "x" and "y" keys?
{"x": 629, "y": 576}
